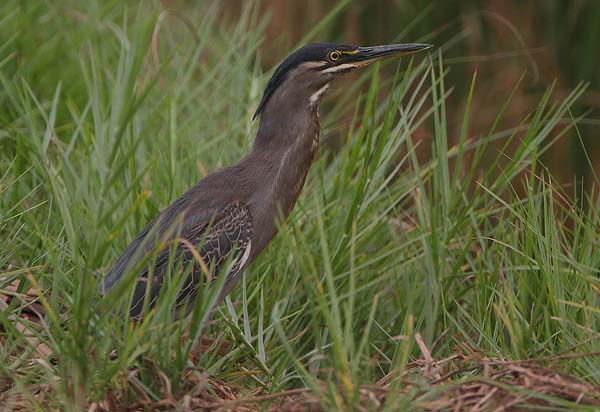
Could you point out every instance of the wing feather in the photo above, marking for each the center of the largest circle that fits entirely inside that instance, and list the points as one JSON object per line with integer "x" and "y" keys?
{"x": 226, "y": 235}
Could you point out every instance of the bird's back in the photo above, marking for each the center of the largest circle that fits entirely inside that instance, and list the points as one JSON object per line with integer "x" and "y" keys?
{"x": 211, "y": 217}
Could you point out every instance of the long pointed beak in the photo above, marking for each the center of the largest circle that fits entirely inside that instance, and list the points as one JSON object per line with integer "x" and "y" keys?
{"x": 368, "y": 55}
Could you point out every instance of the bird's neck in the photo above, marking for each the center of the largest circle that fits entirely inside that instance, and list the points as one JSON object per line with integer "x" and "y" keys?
{"x": 284, "y": 124}
{"x": 283, "y": 152}
{"x": 289, "y": 139}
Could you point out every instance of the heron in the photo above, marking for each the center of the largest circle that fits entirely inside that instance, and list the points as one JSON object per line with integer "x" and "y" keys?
{"x": 226, "y": 220}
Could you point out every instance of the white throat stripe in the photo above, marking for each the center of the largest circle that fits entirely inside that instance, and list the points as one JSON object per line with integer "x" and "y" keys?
{"x": 316, "y": 96}
{"x": 344, "y": 66}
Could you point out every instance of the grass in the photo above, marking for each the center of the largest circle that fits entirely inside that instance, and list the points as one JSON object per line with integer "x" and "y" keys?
{"x": 110, "y": 112}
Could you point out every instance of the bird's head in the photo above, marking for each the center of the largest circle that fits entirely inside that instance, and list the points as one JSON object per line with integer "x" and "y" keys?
{"x": 307, "y": 73}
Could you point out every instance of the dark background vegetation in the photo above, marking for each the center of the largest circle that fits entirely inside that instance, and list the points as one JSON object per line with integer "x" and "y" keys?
{"x": 543, "y": 41}
{"x": 502, "y": 40}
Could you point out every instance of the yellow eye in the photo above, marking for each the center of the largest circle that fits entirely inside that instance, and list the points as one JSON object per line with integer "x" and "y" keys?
{"x": 335, "y": 56}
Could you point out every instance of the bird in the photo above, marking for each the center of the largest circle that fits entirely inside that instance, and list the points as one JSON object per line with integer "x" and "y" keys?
{"x": 224, "y": 222}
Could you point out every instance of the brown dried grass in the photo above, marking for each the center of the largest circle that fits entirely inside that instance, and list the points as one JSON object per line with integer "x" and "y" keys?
{"x": 462, "y": 382}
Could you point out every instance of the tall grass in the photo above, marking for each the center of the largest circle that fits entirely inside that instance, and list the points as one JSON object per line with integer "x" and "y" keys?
{"x": 110, "y": 112}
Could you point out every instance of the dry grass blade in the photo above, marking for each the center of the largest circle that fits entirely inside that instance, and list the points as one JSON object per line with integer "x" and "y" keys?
{"x": 469, "y": 383}
{"x": 30, "y": 312}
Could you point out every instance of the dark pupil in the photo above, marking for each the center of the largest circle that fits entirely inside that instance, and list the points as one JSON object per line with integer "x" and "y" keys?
{"x": 334, "y": 55}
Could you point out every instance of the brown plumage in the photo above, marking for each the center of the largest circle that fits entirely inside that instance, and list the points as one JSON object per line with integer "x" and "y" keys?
{"x": 232, "y": 214}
